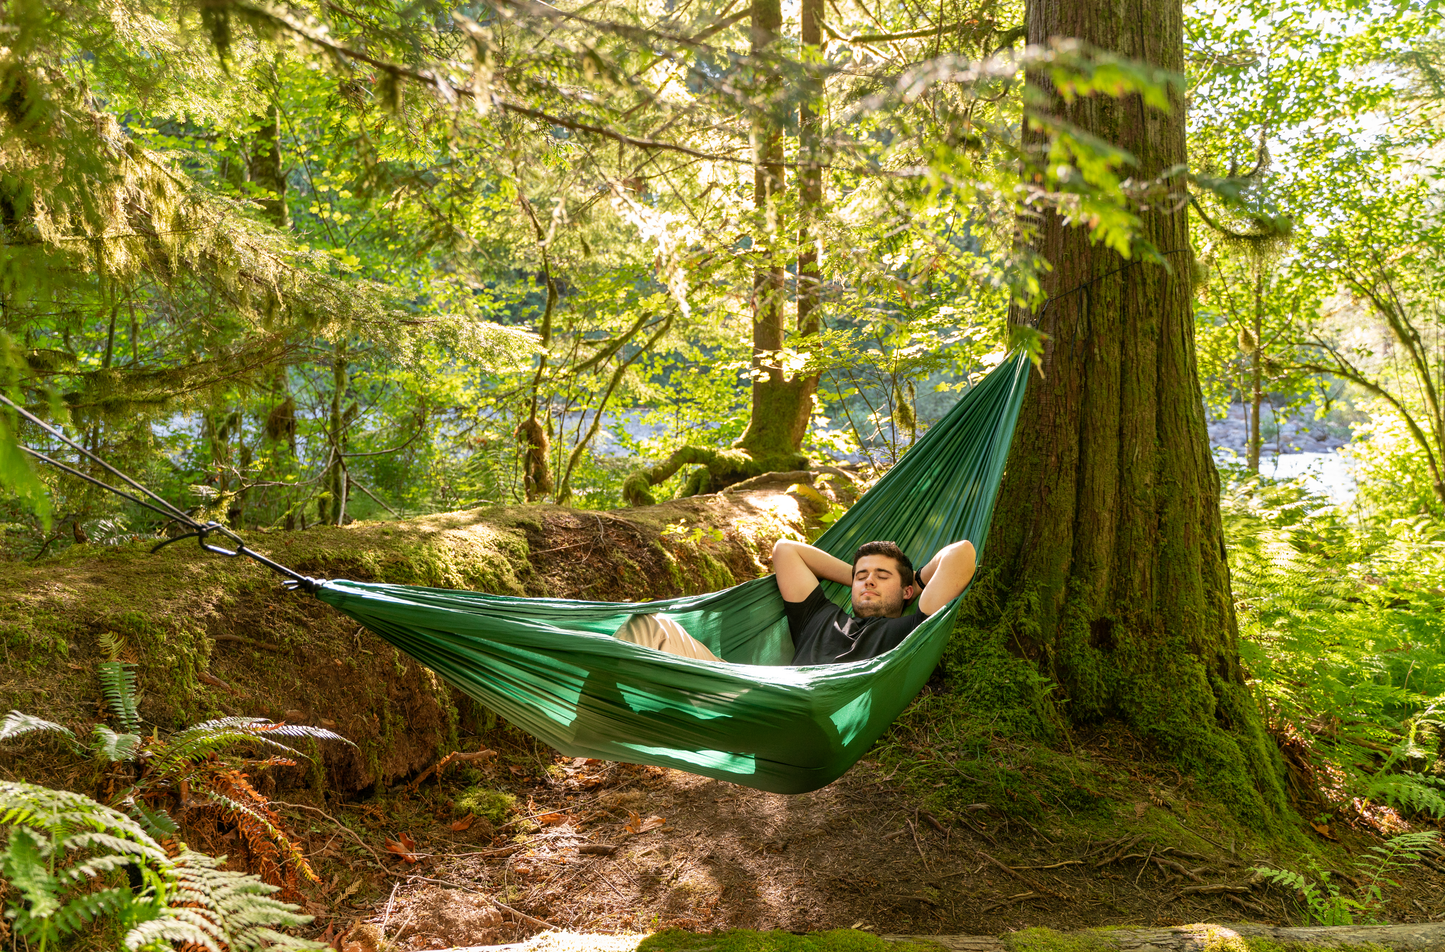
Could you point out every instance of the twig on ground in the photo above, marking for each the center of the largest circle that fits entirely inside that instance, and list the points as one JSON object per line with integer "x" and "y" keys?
{"x": 517, "y": 913}
{"x": 1179, "y": 868}
{"x": 1213, "y": 889}
{"x": 387, "y": 916}
{"x": 484, "y": 754}
{"x": 1145, "y": 864}
{"x": 344, "y": 828}
{"x": 1119, "y": 852}
{"x": 1036, "y": 887}
{"x": 917, "y": 845}
{"x": 603, "y": 877}
{"x": 497, "y": 853}
{"x": 1010, "y": 901}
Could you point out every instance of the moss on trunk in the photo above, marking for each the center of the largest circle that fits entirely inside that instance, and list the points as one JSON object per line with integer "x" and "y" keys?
{"x": 1106, "y": 561}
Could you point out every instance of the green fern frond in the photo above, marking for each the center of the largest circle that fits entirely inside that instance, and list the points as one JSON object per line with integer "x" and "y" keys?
{"x": 115, "y": 747}
{"x": 1397, "y": 853}
{"x": 84, "y": 909}
{"x": 196, "y": 743}
{"x": 113, "y": 644}
{"x": 188, "y": 899}
{"x": 17, "y": 724}
{"x": 243, "y": 903}
{"x": 1408, "y": 792}
{"x": 157, "y": 823}
{"x": 117, "y": 682}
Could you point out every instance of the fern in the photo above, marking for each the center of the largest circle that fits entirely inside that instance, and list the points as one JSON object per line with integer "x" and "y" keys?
{"x": 113, "y": 644}
{"x": 203, "y": 757}
{"x": 1324, "y": 901}
{"x": 1396, "y": 854}
{"x": 64, "y": 849}
{"x": 17, "y": 724}
{"x": 1342, "y": 625}
{"x": 199, "y": 742}
{"x": 115, "y": 747}
{"x": 117, "y": 682}
{"x": 1409, "y": 792}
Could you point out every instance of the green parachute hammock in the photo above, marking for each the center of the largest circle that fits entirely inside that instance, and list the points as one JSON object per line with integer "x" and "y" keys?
{"x": 552, "y": 667}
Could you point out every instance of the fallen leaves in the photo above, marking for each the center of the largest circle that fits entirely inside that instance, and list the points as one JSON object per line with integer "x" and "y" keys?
{"x": 404, "y": 847}
{"x": 636, "y": 825}
{"x": 587, "y": 773}
{"x": 464, "y": 823}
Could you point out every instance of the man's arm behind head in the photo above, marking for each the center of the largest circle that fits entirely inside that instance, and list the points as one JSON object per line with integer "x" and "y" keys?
{"x": 945, "y": 575}
{"x": 799, "y": 566}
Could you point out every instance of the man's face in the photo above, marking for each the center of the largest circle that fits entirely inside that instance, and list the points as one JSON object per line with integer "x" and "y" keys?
{"x": 878, "y": 590}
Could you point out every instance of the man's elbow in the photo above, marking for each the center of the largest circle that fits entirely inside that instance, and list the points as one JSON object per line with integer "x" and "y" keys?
{"x": 783, "y": 545}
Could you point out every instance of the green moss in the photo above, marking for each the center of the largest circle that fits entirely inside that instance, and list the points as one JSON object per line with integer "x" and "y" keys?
{"x": 1158, "y": 685}
{"x": 494, "y": 805}
{"x": 669, "y": 563}
{"x": 746, "y": 940}
{"x": 1047, "y": 940}
{"x": 715, "y": 575}
{"x": 1269, "y": 945}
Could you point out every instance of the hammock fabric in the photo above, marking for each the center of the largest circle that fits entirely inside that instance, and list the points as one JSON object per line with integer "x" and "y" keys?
{"x": 552, "y": 667}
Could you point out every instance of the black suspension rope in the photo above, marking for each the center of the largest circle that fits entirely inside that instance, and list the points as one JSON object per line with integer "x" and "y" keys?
{"x": 200, "y": 531}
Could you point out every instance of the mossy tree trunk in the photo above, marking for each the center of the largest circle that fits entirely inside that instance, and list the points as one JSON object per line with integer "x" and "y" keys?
{"x": 1105, "y": 561}
{"x": 1256, "y": 376}
{"x": 781, "y": 403}
{"x": 267, "y": 169}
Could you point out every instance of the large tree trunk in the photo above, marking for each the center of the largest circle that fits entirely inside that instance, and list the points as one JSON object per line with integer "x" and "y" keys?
{"x": 1256, "y": 392}
{"x": 1105, "y": 562}
{"x": 267, "y": 169}
{"x": 782, "y": 404}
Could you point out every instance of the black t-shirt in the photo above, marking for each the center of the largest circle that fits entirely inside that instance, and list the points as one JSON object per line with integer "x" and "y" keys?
{"x": 824, "y": 633}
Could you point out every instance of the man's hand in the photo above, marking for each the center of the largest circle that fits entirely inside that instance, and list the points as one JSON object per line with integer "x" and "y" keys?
{"x": 945, "y": 575}
{"x": 799, "y": 566}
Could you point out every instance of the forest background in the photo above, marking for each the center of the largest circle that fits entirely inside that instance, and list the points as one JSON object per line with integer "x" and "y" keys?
{"x": 308, "y": 266}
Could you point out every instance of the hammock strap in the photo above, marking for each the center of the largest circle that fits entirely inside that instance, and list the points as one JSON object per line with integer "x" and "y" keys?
{"x": 200, "y": 531}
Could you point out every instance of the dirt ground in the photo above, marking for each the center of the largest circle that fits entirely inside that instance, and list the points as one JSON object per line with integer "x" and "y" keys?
{"x": 613, "y": 848}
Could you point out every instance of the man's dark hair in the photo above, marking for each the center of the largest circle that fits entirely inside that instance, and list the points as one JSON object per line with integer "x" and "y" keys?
{"x": 891, "y": 550}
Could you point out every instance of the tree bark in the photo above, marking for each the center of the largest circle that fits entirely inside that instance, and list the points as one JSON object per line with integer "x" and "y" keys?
{"x": 1256, "y": 395}
{"x": 268, "y": 171}
{"x": 1105, "y": 562}
{"x": 265, "y": 168}
{"x": 781, "y": 404}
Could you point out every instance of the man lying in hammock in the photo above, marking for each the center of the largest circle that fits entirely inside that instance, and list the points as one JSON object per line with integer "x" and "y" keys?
{"x": 883, "y": 583}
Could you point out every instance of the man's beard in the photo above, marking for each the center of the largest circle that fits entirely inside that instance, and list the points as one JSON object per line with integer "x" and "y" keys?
{"x": 882, "y": 606}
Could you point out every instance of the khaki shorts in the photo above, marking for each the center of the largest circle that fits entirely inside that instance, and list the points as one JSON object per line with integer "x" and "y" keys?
{"x": 663, "y": 634}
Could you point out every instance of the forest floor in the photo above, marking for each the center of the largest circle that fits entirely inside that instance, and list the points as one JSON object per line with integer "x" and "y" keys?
{"x": 949, "y": 826}
{"x": 612, "y": 848}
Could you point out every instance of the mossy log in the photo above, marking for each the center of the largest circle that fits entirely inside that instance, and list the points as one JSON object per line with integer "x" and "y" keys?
{"x": 212, "y": 637}
{"x": 1204, "y": 937}
{"x": 713, "y": 471}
